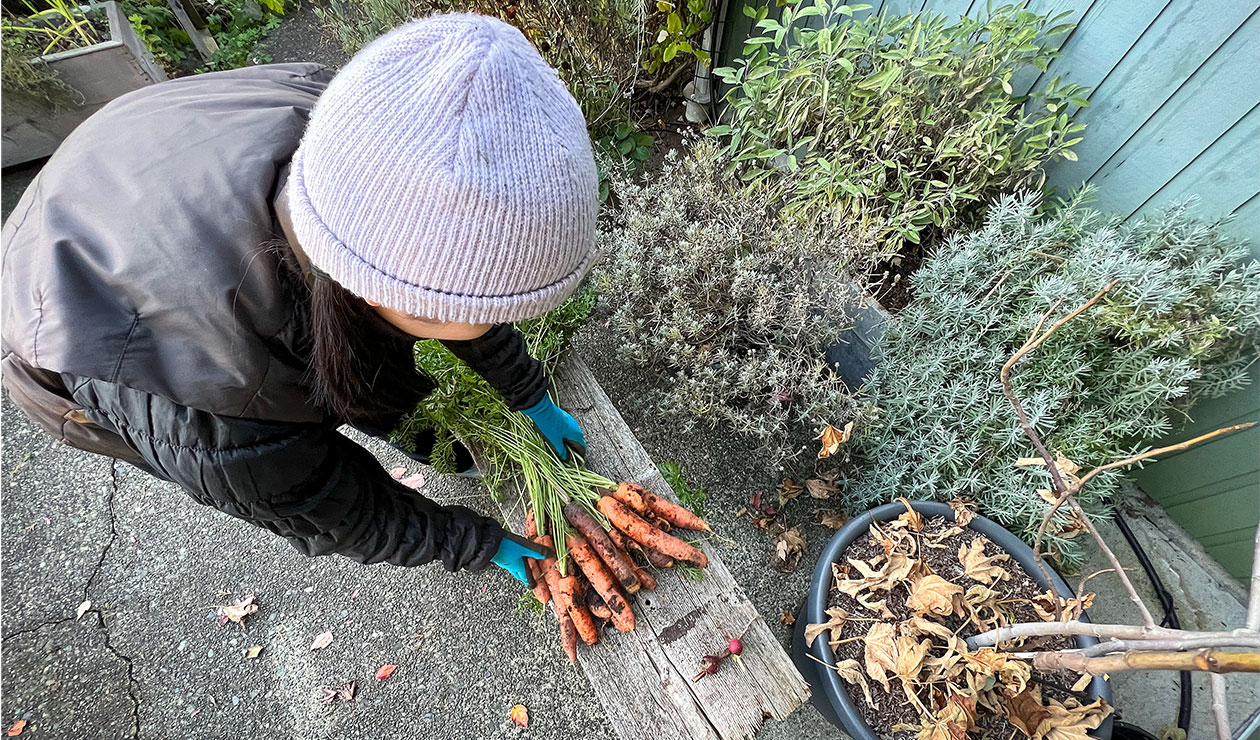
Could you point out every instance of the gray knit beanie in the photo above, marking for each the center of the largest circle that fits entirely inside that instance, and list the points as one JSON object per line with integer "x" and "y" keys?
{"x": 446, "y": 172}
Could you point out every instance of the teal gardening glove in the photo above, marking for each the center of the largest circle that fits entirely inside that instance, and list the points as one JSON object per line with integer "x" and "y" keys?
{"x": 512, "y": 553}
{"x": 557, "y": 427}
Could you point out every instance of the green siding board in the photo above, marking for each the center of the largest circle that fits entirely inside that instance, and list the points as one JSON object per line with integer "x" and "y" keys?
{"x": 1246, "y": 221}
{"x": 1219, "y": 459}
{"x": 1230, "y": 482}
{"x": 1218, "y": 513}
{"x": 1168, "y": 52}
{"x": 1221, "y": 177}
{"x": 1242, "y": 534}
{"x": 1101, "y": 39}
{"x": 1209, "y": 115}
{"x": 1025, "y": 78}
{"x": 1236, "y": 557}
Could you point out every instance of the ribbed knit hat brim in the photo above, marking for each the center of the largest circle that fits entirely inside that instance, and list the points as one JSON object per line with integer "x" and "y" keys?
{"x": 447, "y": 173}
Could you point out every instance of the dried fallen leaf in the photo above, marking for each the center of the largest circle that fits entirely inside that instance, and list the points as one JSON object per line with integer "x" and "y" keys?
{"x": 835, "y": 624}
{"x": 788, "y": 548}
{"x": 832, "y": 438}
{"x": 910, "y": 654}
{"x": 397, "y": 473}
{"x": 345, "y": 693}
{"x": 821, "y": 488}
{"x": 982, "y": 567}
{"x": 851, "y": 672}
{"x": 912, "y": 518}
{"x": 1170, "y": 732}
{"x": 963, "y": 513}
{"x": 833, "y": 519}
{"x": 1085, "y": 680}
{"x": 385, "y": 671}
{"x": 880, "y": 652}
{"x": 237, "y": 612}
{"x": 1073, "y": 721}
{"x": 788, "y": 490}
{"x": 322, "y": 640}
{"x": 415, "y": 481}
{"x": 923, "y": 626}
{"x": 78, "y": 613}
{"x": 253, "y": 652}
{"x": 17, "y": 728}
{"x": 520, "y": 715}
{"x": 932, "y": 594}
{"x": 953, "y": 721}
{"x": 787, "y": 618}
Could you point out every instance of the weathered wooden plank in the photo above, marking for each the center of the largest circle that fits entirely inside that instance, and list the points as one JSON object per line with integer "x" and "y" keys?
{"x": 1196, "y": 127}
{"x": 644, "y": 678}
{"x": 1169, "y": 51}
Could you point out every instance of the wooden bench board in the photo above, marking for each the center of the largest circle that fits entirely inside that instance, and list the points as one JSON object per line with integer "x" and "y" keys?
{"x": 644, "y": 679}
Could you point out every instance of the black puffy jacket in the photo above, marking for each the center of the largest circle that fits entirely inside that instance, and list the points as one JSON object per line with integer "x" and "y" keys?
{"x": 150, "y": 314}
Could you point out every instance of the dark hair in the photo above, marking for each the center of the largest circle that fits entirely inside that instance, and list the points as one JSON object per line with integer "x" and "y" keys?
{"x": 362, "y": 370}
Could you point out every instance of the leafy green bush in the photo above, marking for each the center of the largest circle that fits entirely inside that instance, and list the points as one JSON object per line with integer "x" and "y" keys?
{"x": 238, "y": 26}
{"x": 893, "y": 126}
{"x": 730, "y": 306}
{"x": 1182, "y": 324}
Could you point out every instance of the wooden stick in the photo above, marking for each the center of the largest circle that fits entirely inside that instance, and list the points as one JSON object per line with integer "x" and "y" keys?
{"x": 1065, "y": 491}
{"x": 1101, "y": 631}
{"x": 1219, "y": 712}
{"x": 1189, "y": 643}
{"x": 1161, "y": 451}
{"x": 1209, "y": 660}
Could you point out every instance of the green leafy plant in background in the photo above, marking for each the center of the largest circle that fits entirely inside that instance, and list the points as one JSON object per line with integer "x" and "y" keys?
{"x": 729, "y": 305}
{"x": 675, "y": 30}
{"x": 59, "y": 27}
{"x": 158, "y": 28}
{"x": 897, "y": 128}
{"x": 693, "y": 497}
{"x": 1182, "y": 324}
{"x": 619, "y": 154}
{"x": 464, "y": 407}
{"x": 238, "y": 26}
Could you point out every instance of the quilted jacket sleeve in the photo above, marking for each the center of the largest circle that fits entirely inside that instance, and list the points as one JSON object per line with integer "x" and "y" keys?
{"x": 502, "y": 358}
{"x": 304, "y": 482}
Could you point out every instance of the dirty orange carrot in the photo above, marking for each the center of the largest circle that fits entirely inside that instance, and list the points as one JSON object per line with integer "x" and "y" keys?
{"x": 603, "y": 546}
{"x": 541, "y": 592}
{"x": 568, "y": 637}
{"x": 662, "y": 524}
{"x": 647, "y": 580}
{"x": 565, "y": 592}
{"x": 671, "y": 512}
{"x": 627, "y": 521}
{"x": 602, "y": 581}
{"x": 622, "y": 540}
{"x": 531, "y": 526}
{"x": 597, "y": 606}
{"x": 630, "y": 495}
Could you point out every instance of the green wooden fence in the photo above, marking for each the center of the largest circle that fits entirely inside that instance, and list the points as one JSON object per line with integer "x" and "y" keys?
{"x": 1175, "y": 112}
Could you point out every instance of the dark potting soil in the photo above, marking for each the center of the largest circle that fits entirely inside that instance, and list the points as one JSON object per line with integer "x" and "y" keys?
{"x": 889, "y": 281}
{"x": 891, "y": 707}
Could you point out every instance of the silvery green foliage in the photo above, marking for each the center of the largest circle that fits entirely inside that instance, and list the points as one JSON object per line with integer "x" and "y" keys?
{"x": 1181, "y": 325}
{"x": 731, "y": 306}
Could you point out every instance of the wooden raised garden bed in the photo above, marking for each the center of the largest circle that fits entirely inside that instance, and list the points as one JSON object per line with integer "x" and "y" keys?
{"x": 97, "y": 74}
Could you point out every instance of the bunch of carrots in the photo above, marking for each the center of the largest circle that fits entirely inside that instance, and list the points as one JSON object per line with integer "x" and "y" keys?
{"x": 599, "y": 588}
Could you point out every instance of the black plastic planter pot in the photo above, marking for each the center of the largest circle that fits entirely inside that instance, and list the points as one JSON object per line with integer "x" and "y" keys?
{"x": 830, "y": 697}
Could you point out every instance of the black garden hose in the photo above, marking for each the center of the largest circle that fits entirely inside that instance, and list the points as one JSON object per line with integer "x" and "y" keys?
{"x": 1170, "y": 612}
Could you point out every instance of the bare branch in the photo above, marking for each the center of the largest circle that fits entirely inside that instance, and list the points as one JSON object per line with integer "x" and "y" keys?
{"x": 1147, "y": 619}
{"x": 1219, "y": 712}
{"x": 1210, "y": 660}
{"x": 1189, "y": 643}
{"x": 1101, "y": 631}
{"x": 1160, "y": 452}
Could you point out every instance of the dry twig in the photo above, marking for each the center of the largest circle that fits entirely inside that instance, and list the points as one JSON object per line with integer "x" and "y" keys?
{"x": 1218, "y": 707}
